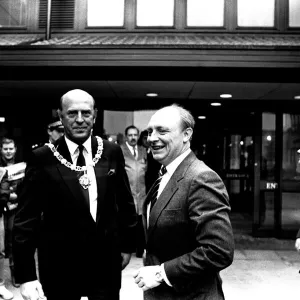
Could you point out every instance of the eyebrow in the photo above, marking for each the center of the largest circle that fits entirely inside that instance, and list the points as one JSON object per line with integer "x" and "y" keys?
{"x": 77, "y": 110}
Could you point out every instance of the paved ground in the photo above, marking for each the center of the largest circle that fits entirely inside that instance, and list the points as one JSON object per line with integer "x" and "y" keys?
{"x": 254, "y": 274}
{"x": 263, "y": 268}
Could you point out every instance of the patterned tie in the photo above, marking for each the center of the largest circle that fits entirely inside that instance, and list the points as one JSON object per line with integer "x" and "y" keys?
{"x": 81, "y": 163}
{"x": 154, "y": 190}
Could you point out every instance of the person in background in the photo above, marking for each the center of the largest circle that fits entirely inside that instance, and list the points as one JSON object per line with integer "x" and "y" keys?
{"x": 4, "y": 197}
{"x": 55, "y": 130}
{"x": 136, "y": 166}
{"x": 76, "y": 209}
{"x": 153, "y": 165}
{"x": 16, "y": 172}
{"x": 186, "y": 216}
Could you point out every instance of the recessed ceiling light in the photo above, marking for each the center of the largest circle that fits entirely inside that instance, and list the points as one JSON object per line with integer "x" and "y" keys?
{"x": 201, "y": 117}
{"x": 225, "y": 95}
{"x": 297, "y": 97}
{"x": 215, "y": 104}
{"x": 2, "y": 119}
{"x": 151, "y": 95}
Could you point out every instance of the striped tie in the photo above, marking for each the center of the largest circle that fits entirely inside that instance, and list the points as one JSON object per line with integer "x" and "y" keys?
{"x": 154, "y": 190}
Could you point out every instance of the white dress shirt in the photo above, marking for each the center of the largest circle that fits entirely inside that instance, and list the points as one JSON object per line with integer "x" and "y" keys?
{"x": 87, "y": 153}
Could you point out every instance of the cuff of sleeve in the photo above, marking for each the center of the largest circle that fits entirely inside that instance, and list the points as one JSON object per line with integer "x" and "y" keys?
{"x": 164, "y": 275}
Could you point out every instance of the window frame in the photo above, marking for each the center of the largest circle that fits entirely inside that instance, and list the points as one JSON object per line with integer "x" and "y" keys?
{"x": 276, "y": 26}
{"x": 161, "y": 28}
{"x": 281, "y": 21}
{"x": 103, "y": 27}
{"x": 225, "y": 20}
{"x": 180, "y": 20}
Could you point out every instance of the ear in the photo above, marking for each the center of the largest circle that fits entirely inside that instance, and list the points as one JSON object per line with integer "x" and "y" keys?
{"x": 95, "y": 114}
{"x": 48, "y": 130}
{"x": 187, "y": 134}
{"x": 59, "y": 114}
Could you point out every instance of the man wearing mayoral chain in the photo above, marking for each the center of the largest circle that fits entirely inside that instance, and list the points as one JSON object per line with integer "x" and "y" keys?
{"x": 76, "y": 208}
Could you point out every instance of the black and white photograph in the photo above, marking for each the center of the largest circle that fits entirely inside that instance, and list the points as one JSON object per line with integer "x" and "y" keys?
{"x": 149, "y": 149}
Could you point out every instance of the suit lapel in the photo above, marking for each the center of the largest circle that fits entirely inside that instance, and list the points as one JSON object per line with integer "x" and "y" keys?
{"x": 128, "y": 152}
{"x": 101, "y": 169}
{"x": 69, "y": 176}
{"x": 169, "y": 191}
{"x": 164, "y": 198}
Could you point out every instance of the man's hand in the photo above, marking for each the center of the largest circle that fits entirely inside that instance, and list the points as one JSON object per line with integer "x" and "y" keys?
{"x": 125, "y": 259}
{"x": 146, "y": 278}
{"x": 297, "y": 244}
{"x": 32, "y": 290}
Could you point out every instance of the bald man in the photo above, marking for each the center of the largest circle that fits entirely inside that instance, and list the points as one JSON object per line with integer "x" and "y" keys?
{"x": 76, "y": 207}
{"x": 189, "y": 237}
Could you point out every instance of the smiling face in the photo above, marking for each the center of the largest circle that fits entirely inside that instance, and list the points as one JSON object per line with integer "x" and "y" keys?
{"x": 77, "y": 115}
{"x": 166, "y": 135}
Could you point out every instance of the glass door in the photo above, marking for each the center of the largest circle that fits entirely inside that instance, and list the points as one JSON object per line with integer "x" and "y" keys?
{"x": 238, "y": 171}
{"x": 227, "y": 146}
{"x": 266, "y": 200}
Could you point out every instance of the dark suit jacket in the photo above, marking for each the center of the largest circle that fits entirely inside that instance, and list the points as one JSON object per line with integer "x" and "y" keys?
{"x": 190, "y": 232}
{"x": 75, "y": 252}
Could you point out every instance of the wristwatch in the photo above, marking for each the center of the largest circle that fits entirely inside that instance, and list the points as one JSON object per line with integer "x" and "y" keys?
{"x": 158, "y": 275}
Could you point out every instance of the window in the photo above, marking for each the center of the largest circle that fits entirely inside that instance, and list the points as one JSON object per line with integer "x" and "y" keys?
{"x": 294, "y": 13}
{"x": 256, "y": 13}
{"x": 13, "y": 13}
{"x": 152, "y": 15}
{"x": 205, "y": 13}
{"x": 155, "y": 13}
{"x": 189, "y": 15}
{"x": 105, "y": 13}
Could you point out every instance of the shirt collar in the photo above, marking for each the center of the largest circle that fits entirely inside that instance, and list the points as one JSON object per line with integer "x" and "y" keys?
{"x": 73, "y": 146}
{"x": 130, "y": 147}
{"x": 176, "y": 162}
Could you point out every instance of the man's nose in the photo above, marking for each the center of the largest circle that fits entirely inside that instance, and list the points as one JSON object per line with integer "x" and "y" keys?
{"x": 79, "y": 118}
{"x": 151, "y": 137}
